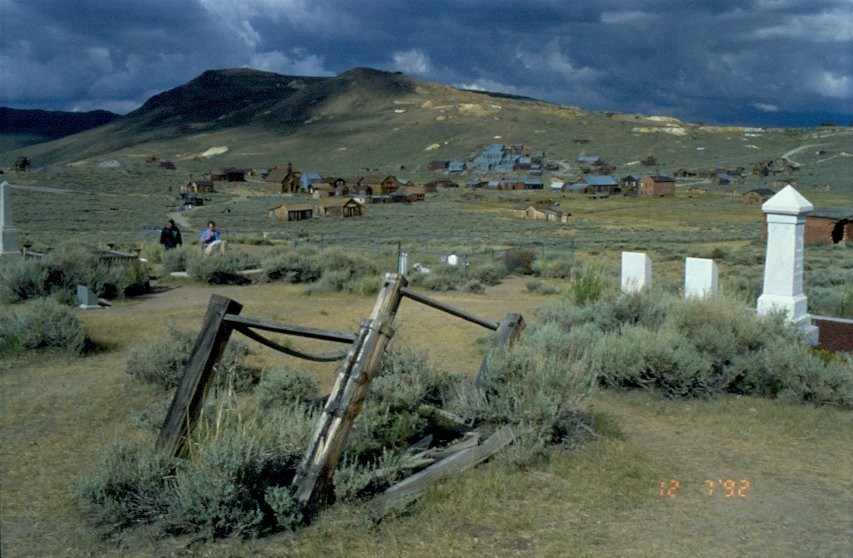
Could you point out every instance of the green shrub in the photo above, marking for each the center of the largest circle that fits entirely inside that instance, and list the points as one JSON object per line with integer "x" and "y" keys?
{"x": 552, "y": 269}
{"x": 176, "y": 258}
{"x": 59, "y": 272}
{"x": 162, "y": 362}
{"x": 235, "y": 480}
{"x": 696, "y": 347}
{"x": 21, "y": 279}
{"x": 440, "y": 278}
{"x": 489, "y": 274}
{"x": 537, "y": 386}
{"x": 294, "y": 265}
{"x": 519, "y": 261}
{"x": 220, "y": 270}
{"x": 587, "y": 286}
{"x": 41, "y": 324}
{"x": 475, "y": 286}
{"x": 282, "y": 386}
{"x": 541, "y": 287}
{"x": 129, "y": 486}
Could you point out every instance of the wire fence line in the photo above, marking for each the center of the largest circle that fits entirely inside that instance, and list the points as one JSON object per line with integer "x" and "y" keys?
{"x": 424, "y": 251}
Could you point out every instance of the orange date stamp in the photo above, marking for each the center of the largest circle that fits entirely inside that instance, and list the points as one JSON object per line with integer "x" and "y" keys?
{"x": 724, "y": 488}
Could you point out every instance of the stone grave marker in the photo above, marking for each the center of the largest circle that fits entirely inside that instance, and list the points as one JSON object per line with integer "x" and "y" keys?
{"x": 783, "y": 265}
{"x": 636, "y": 271}
{"x": 86, "y": 298}
{"x": 8, "y": 233}
{"x": 700, "y": 277}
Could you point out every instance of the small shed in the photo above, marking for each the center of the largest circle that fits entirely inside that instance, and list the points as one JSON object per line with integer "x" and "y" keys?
{"x": 596, "y": 184}
{"x": 758, "y": 196}
{"x": 415, "y": 193}
{"x": 233, "y": 174}
{"x": 340, "y": 207}
{"x": 292, "y": 212}
{"x": 829, "y": 226}
{"x": 541, "y": 212}
{"x": 198, "y": 186}
{"x": 657, "y": 186}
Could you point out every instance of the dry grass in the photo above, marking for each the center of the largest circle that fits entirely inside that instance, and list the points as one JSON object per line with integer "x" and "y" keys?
{"x": 601, "y": 500}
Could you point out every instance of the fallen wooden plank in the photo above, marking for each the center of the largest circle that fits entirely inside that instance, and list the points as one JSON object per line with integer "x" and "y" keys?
{"x": 413, "y": 487}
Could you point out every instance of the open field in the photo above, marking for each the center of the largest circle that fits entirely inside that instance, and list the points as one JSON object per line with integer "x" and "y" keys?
{"x": 792, "y": 462}
{"x": 601, "y": 499}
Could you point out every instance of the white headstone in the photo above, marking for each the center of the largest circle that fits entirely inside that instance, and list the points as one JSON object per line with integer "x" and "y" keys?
{"x": 8, "y": 233}
{"x": 453, "y": 259}
{"x": 403, "y": 263}
{"x": 700, "y": 277}
{"x": 636, "y": 271}
{"x": 783, "y": 266}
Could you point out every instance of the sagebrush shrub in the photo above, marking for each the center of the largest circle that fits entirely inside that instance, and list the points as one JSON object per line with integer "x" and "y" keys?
{"x": 489, "y": 274}
{"x": 41, "y": 324}
{"x": 161, "y": 362}
{"x": 281, "y": 386}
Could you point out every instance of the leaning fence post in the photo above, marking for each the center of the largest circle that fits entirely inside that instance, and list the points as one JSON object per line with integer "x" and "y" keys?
{"x": 189, "y": 396}
{"x": 508, "y": 330}
{"x": 313, "y": 481}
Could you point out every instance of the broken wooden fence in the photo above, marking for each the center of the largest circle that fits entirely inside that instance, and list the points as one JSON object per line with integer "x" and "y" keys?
{"x": 313, "y": 480}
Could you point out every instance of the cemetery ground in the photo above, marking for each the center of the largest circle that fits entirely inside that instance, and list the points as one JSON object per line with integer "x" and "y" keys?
{"x": 601, "y": 498}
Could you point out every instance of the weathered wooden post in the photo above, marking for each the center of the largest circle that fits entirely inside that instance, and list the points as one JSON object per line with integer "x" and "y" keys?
{"x": 313, "y": 481}
{"x": 192, "y": 389}
{"x": 505, "y": 336}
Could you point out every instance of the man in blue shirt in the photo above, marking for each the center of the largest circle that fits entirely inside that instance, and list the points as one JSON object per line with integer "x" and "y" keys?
{"x": 210, "y": 239}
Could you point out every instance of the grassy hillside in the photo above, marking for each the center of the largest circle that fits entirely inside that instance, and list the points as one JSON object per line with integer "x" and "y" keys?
{"x": 379, "y": 120}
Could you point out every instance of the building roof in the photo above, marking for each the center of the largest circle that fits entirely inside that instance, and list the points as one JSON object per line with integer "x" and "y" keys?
{"x": 765, "y": 192}
{"x": 661, "y": 178}
{"x": 588, "y": 159}
{"x": 295, "y": 206}
{"x": 596, "y": 180}
{"x": 837, "y": 213}
{"x": 336, "y": 202}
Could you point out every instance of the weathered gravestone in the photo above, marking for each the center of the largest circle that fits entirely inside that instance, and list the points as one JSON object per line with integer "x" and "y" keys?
{"x": 783, "y": 266}
{"x": 8, "y": 233}
{"x": 86, "y": 298}
{"x": 700, "y": 277}
{"x": 636, "y": 271}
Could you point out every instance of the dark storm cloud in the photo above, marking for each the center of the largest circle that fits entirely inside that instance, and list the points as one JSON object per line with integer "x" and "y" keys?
{"x": 754, "y": 61}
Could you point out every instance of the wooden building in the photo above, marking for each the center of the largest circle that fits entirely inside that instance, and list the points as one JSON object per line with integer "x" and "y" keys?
{"x": 657, "y": 187}
{"x": 339, "y": 207}
{"x": 541, "y": 212}
{"x": 283, "y": 180}
{"x": 758, "y": 196}
{"x": 198, "y": 187}
{"x": 233, "y": 174}
{"x": 292, "y": 212}
{"x": 829, "y": 226}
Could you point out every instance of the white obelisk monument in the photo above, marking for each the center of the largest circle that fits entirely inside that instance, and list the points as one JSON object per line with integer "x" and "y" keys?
{"x": 8, "y": 233}
{"x": 783, "y": 266}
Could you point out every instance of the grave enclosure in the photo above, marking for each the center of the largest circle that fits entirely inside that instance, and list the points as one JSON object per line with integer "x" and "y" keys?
{"x": 313, "y": 484}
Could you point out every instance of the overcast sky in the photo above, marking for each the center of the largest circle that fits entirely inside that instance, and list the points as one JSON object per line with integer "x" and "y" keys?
{"x": 760, "y": 62}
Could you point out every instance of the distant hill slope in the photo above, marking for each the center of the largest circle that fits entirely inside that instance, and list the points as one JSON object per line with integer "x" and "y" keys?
{"x": 35, "y": 126}
{"x": 383, "y": 121}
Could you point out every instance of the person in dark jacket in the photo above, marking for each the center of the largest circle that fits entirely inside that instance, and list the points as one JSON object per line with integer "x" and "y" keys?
{"x": 170, "y": 236}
